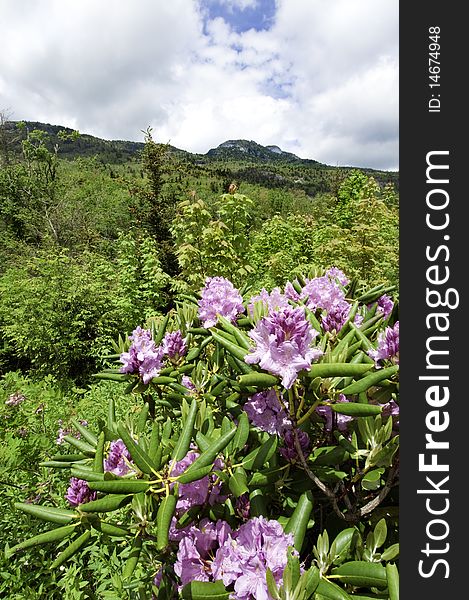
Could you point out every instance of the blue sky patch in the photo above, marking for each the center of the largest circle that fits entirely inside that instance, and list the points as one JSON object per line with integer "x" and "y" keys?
{"x": 241, "y": 18}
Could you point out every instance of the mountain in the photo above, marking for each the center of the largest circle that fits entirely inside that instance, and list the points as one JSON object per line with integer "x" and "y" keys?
{"x": 252, "y": 151}
{"x": 233, "y": 160}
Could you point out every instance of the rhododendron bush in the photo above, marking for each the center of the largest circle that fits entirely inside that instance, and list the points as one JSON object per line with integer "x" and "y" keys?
{"x": 263, "y": 462}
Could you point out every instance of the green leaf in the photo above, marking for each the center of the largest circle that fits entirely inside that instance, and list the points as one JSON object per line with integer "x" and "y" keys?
{"x": 390, "y": 553}
{"x": 298, "y": 522}
{"x": 259, "y": 456}
{"x": 361, "y": 573}
{"x": 271, "y": 585}
{"x": 107, "y": 504}
{"x": 238, "y": 482}
{"x": 342, "y": 543}
{"x": 182, "y": 446}
{"x": 80, "y": 445}
{"x": 140, "y": 458}
{"x": 208, "y": 456}
{"x": 356, "y": 409}
{"x": 61, "y": 516}
{"x": 260, "y": 381}
{"x": 392, "y": 575}
{"x": 99, "y": 456}
{"x": 338, "y": 370}
{"x": 142, "y": 417}
{"x": 163, "y": 520}
{"x": 370, "y": 380}
{"x": 233, "y": 349}
{"x": 204, "y": 590}
{"x": 120, "y": 486}
{"x": 380, "y": 533}
{"x": 44, "y": 538}
{"x": 85, "y": 432}
{"x": 133, "y": 559}
{"x": 109, "y": 528}
{"x": 331, "y": 591}
{"x": 72, "y": 549}
{"x": 242, "y": 432}
{"x": 194, "y": 475}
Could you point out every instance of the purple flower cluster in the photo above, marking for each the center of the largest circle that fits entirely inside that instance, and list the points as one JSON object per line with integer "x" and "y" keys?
{"x": 143, "y": 357}
{"x": 118, "y": 460}
{"x": 326, "y": 293}
{"x": 215, "y": 552}
{"x": 196, "y": 550}
{"x": 340, "y": 420}
{"x": 219, "y": 297}
{"x": 283, "y": 344}
{"x": 187, "y": 382}
{"x": 289, "y": 451}
{"x": 271, "y": 302}
{"x": 203, "y": 491}
{"x": 336, "y": 273}
{"x": 266, "y": 412}
{"x": 79, "y": 492}
{"x": 385, "y": 305}
{"x": 174, "y": 345}
{"x": 388, "y": 346}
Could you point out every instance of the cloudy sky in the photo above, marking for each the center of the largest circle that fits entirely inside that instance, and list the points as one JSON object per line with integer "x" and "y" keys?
{"x": 316, "y": 77}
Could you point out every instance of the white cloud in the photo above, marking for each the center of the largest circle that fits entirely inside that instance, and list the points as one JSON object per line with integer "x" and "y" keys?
{"x": 322, "y": 82}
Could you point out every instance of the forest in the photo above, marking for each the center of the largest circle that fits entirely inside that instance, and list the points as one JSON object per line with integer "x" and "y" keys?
{"x": 199, "y": 357}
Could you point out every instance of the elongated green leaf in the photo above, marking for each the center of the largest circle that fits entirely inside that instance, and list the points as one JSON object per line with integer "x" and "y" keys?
{"x": 88, "y": 435}
{"x": 162, "y": 329}
{"x": 120, "y": 378}
{"x": 259, "y": 456}
{"x": 238, "y": 482}
{"x": 370, "y": 380}
{"x": 242, "y": 432}
{"x": 205, "y": 590}
{"x": 111, "y": 414}
{"x": 361, "y": 573}
{"x": 265, "y": 477}
{"x": 109, "y": 528}
{"x": 55, "y": 464}
{"x": 99, "y": 456}
{"x": 338, "y": 370}
{"x": 182, "y": 446}
{"x": 208, "y": 456}
{"x": 80, "y": 445}
{"x": 61, "y": 516}
{"x": 163, "y": 520}
{"x": 258, "y": 504}
{"x": 120, "y": 486}
{"x": 298, "y": 522}
{"x": 72, "y": 549}
{"x": 241, "y": 338}
{"x": 194, "y": 475}
{"x": 260, "y": 381}
{"x": 44, "y": 538}
{"x": 356, "y": 409}
{"x": 142, "y": 418}
{"x": 140, "y": 458}
{"x": 331, "y": 591}
{"x": 392, "y": 575}
{"x": 107, "y": 504}
{"x": 232, "y": 348}
{"x": 69, "y": 457}
{"x": 133, "y": 559}
{"x": 272, "y": 586}
{"x": 342, "y": 543}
